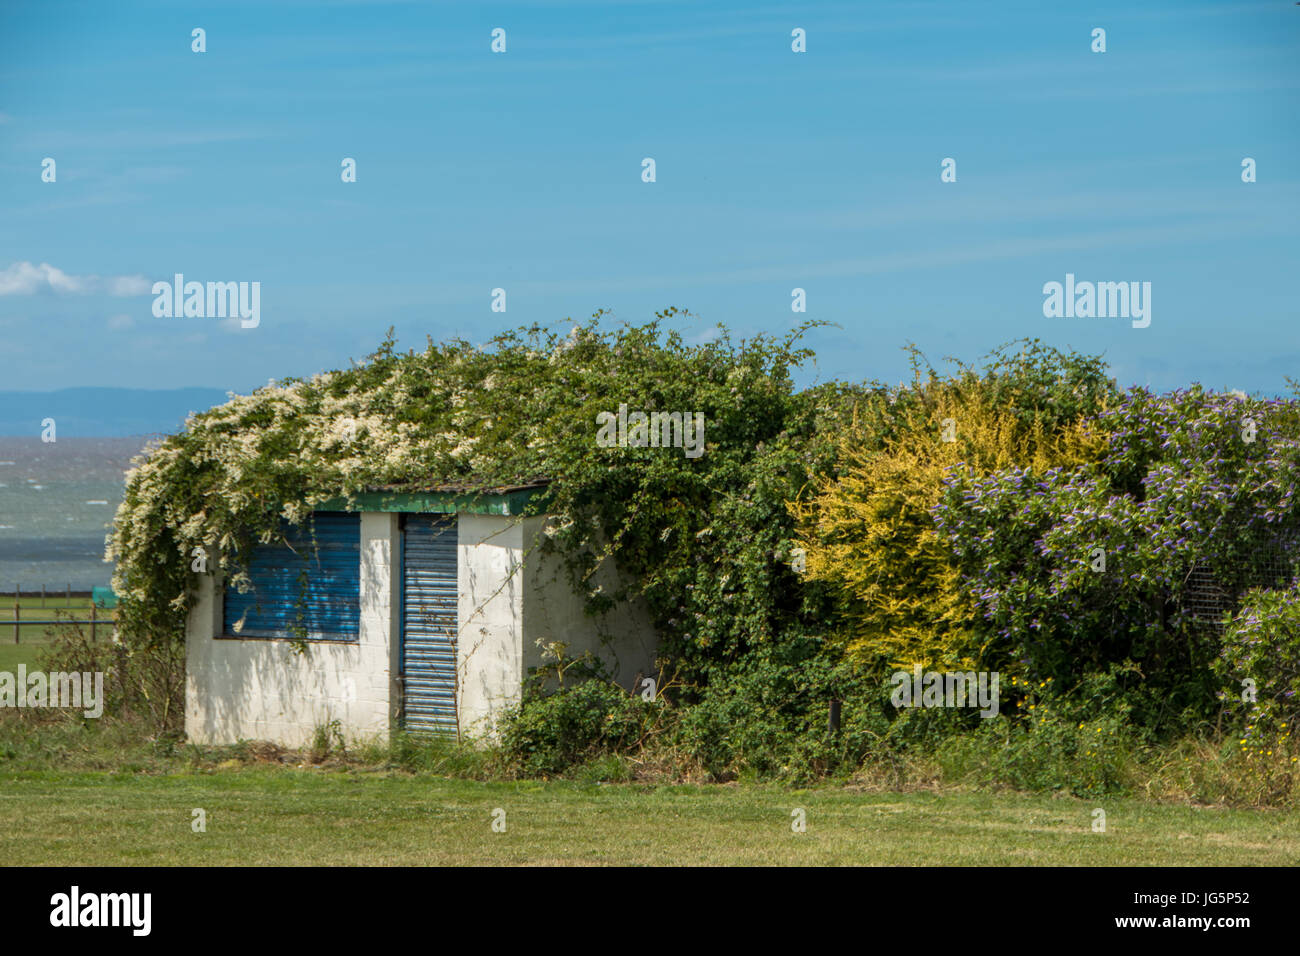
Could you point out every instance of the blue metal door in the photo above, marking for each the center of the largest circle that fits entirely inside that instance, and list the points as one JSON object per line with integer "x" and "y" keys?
{"x": 308, "y": 588}
{"x": 429, "y": 622}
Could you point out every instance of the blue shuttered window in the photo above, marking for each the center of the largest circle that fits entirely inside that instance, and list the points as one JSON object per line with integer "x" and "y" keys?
{"x": 309, "y": 589}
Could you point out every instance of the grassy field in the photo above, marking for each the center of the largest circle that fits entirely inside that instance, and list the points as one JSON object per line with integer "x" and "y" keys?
{"x": 325, "y": 817}
{"x": 32, "y": 637}
{"x": 98, "y": 793}
{"x": 11, "y": 655}
{"x": 31, "y": 610}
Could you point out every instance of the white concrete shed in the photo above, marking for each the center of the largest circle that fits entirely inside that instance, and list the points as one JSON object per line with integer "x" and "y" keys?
{"x": 423, "y": 611}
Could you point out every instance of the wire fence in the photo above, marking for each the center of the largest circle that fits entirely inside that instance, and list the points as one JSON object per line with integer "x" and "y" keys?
{"x": 1212, "y": 595}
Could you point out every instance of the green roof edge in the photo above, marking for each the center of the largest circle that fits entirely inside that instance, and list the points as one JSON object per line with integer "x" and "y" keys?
{"x": 508, "y": 504}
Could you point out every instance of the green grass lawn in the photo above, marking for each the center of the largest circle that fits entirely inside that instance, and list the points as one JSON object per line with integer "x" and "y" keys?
{"x": 11, "y": 655}
{"x": 78, "y": 607}
{"x": 328, "y": 817}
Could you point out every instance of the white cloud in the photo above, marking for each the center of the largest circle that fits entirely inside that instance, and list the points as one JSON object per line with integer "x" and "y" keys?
{"x": 121, "y": 321}
{"x": 128, "y": 285}
{"x": 23, "y": 278}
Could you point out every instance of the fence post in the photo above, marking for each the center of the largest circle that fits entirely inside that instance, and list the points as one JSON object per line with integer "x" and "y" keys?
{"x": 92, "y": 622}
{"x": 15, "y": 621}
{"x": 69, "y": 594}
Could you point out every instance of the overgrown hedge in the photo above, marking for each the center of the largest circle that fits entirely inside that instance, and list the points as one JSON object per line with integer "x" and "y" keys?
{"x": 1029, "y": 517}
{"x": 950, "y": 522}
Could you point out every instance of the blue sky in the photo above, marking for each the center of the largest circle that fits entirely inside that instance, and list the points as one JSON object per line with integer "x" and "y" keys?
{"x": 522, "y": 170}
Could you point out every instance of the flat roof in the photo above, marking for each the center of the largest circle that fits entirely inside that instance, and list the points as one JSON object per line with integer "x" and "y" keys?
{"x": 460, "y": 488}
{"x": 441, "y": 499}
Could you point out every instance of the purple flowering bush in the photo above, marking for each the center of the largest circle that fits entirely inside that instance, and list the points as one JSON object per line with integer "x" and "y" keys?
{"x": 1094, "y": 570}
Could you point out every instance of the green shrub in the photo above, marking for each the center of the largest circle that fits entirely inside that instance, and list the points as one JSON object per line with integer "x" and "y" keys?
{"x": 1262, "y": 645}
{"x": 548, "y": 735}
{"x": 766, "y": 715}
{"x": 1049, "y": 751}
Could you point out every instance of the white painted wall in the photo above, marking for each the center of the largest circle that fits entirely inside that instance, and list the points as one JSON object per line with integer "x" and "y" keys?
{"x": 554, "y": 611}
{"x": 259, "y": 689}
{"x": 489, "y": 643}
{"x": 511, "y": 596}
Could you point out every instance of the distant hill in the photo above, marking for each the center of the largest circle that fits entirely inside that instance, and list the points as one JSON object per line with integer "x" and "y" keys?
{"x": 104, "y": 412}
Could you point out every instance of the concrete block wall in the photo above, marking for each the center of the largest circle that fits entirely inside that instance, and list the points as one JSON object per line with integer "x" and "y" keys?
{"x": 261, "y": 689}
{"x": 624, "y": 638}
{"x": 512, "y": 597}
{"x": 489, "y": 653}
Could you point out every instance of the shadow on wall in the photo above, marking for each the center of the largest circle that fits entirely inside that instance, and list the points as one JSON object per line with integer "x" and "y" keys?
{"x": 264, "y": 689}
{"x": 624, "y": 638}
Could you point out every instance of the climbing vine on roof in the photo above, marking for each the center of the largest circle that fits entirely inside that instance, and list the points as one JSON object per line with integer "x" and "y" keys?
{"x": 703, "y": 539}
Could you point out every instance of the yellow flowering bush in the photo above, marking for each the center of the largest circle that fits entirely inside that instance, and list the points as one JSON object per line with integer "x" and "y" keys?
{"x": 868, "y": 529}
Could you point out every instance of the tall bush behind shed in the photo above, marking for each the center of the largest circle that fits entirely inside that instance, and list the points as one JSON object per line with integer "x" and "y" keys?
{"x": 869, "y": 530}
{"x": 1091, "y": 569}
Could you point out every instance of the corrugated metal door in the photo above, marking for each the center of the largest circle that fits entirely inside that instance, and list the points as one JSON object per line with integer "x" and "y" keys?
{"x": 429, "y": 623}
{"x": 310, "y": 588}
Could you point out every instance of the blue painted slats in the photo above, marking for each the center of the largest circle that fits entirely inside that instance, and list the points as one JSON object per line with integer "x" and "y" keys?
{"x": 305, "y": 589}
{"x": 429, "y": 622}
